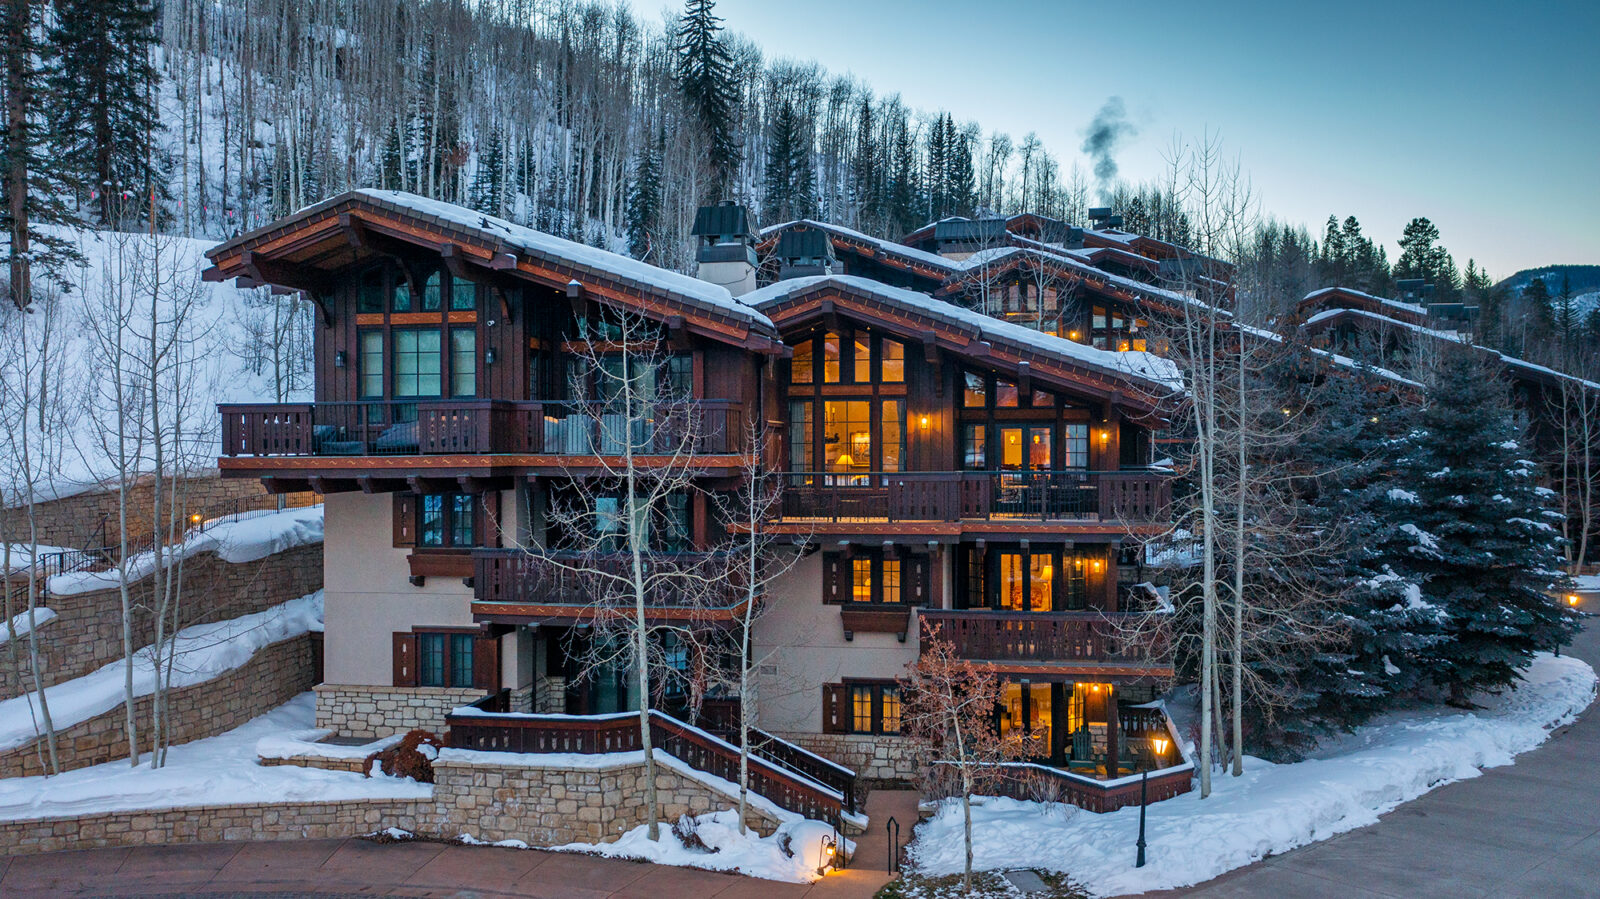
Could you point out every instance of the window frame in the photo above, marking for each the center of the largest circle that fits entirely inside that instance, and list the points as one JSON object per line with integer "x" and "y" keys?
{"x": 875, "y": 692}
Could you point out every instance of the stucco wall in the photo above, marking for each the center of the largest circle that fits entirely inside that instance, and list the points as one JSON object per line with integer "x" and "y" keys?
{"x": 802, "y": 644}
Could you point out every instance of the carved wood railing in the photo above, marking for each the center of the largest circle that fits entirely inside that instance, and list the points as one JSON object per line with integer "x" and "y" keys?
{"x": 984, "y": 495}
{"x": 783, "y": 783}
{"x": 997, "y": 636}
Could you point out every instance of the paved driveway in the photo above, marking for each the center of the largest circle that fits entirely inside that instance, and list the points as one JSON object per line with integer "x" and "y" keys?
{"x": 1531, "y": 829}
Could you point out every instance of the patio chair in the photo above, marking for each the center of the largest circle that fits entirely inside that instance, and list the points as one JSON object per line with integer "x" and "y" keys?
{"x": 1082, "y": 750}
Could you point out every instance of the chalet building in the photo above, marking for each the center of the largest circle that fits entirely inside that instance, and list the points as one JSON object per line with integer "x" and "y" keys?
{"x": 988, "y": 475}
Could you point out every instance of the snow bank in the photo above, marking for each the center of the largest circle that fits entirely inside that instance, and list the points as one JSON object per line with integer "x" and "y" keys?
{"x": 23, "y": 623}
{"x": 220, "y": 770}
{"x": 201, "y": 652}
{"x": 745, "y": 853}
{"x": 288, "y": 745}
{"x": 1271, "y": 808}
{"x": 22, "y": 554}
{"x": 244, "y": 537}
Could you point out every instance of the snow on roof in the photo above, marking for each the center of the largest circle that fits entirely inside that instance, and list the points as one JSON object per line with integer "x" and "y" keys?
{"x": 1129, "y": 364}
{"x": 1412, "y": 308}
{"x": 1335, "y": 358}
{"x": 547, "y": 246}
{"x": 1453, "y": 337}
{"x": 888, "y": 246}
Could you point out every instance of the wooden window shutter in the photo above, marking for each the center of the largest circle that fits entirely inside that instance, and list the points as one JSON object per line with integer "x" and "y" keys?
{"x": 835, "y": 709}
{"x": 489, "y": 523}
{"x": 486, "y": 663}
{"x": 405, "y": 659}
{"x": 405, "y": 519}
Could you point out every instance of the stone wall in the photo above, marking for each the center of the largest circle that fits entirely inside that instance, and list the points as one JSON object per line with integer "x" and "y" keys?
{"x": 272, "y": 677}
{"x": 877, "y": 760}
{"x": 205, "y": 824}
{"x": 357, "y": 710}
{"x": 549, "y": 806}
{"x": 88, "y": 520}
{"x": 87, "y": 632}
{"x": 483, "y": 796}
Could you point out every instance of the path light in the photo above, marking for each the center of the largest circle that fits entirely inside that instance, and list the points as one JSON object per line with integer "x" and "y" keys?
{"x": 1573, "y": 600}
{"x": 825, "y": 855}
{"x": 195, "y": 518}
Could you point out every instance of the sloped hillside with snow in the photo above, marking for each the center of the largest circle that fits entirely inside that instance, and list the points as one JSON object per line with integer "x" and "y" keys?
{"x": 211, "y": 343}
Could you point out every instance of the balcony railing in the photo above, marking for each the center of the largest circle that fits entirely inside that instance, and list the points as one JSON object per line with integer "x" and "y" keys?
{"x": 994, "y": 495}
{"x": 1093, "y": 637}
{"x": 694, "y": 583}
{"x": 476, "y": 426}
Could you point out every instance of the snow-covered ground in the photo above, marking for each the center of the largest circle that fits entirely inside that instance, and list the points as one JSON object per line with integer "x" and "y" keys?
{"x": 238, "y": 538}
{"x": 793, "y": 853}
{"x": 1271, "y": 808}
{"x": 201, "y": 652}
{"x": 217, "y": 770}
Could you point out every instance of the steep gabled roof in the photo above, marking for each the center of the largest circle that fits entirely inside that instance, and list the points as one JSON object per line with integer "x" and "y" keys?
{"x": 1349, "y": 298}
{"x": 1139, "y": 378}
{"x": 304, "y": 250}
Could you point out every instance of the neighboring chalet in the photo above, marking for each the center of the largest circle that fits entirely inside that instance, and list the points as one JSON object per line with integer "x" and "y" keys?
{"x": 991, "y": 475}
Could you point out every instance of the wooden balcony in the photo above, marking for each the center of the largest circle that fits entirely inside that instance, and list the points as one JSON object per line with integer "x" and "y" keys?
{"x": 474, "y": 427}
{"x": 1115, "y": 645}
{"x": 952, "y": 496}
{"x": 515, "y": 586}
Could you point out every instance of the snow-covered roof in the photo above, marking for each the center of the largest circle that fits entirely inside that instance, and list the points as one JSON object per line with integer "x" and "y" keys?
{"x": 888, "y": 246}
{"x": 1142, "y": 365}
{"x": 1452, "y": 337}
{"x": 557, "y": 249}
{"x": 1411, "y": 308}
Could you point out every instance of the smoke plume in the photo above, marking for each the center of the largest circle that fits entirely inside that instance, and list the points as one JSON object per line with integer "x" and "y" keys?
{"x": 1100, "y": 139}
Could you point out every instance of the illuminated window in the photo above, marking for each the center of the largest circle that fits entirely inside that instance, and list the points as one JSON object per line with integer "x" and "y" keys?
{"x": 861, "y": 580}
{"x": 893, "y": 433}
{"x": 862, "y": 358}
{"x": 861, "y": 717}
{"x": 830, "y": 358}
{"x": 800, "y": 368}
{"x": 890, "y": 719}
{"x": 974, "y": 393}
{"x": 894, "y": 361}
{"x": 1005, "y": 395}
{"x": 891, "y": 580}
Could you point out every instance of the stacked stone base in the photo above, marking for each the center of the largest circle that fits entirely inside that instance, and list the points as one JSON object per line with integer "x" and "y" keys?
{"x": 357, "y": 710}
{"x": 484, "y": 795}
{"x": 877, "y": 760}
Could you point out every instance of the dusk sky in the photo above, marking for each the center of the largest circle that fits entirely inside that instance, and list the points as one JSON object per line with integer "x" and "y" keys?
{"x": 1485, "y": 117}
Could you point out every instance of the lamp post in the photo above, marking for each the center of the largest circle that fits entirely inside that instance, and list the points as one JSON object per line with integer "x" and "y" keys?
{"x": 825, "y": 855}
{"x": 1144, "y": 780}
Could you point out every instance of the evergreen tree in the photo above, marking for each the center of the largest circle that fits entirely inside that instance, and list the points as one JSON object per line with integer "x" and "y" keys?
{"x": 391, "y": 159}
{"x": 1349, "y": 493}
{"x": 1567, "y": 317}
{"x": 961, "y": 185}
{"x": 790, "y": 182}
{"x": 705, "y": 74}
{"x": 934, "y": 173}
{"x": 102, "y": 101}
{"x": 903, "y": 191}
{"x": 644, "y": 200}
{"x": 1135, "y": 218}
{"x": 487, "y": 192}
{"x": 1475, "y": 532}
{"x": 32, "y": 179}
{"x": 866, "y": 176}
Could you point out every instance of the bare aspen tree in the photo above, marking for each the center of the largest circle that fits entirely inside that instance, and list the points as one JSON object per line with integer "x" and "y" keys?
{"x": 1575, "y": 409}
{"x": 641, "y": 436}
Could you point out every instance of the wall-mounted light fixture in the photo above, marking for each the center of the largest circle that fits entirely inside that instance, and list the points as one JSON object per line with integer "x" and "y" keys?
{"x": 924, "y": 422}
{"x": 490, "y": 356}
{"x": 340, "y": 359}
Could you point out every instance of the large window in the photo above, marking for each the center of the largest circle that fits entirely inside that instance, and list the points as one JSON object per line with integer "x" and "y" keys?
{"x": 445, "y": 657}
{"x": 893, "y": 362}
{"x": 463, "y": 295}
{"x": 463, "y": 362}
{"x": 1076, "y": 444}
{"x": 868, "y": 707}
{"x": 847, "y": 435}
{"x": 1036, "y": 580}
{"x": 371, "y": 364}
{"x": 416, "y": 363}
{"x": 800, "y": 368}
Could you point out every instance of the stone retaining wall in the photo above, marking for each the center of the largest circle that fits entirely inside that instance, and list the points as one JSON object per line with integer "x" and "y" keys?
{"x": 272, "y": 677}
{"x": 358, "y": 710}
{"x": 878, "y": 760}
{"x": 487, "y": 798}
{"x": 76, "y": 521}
{"x": 87, "y": 632}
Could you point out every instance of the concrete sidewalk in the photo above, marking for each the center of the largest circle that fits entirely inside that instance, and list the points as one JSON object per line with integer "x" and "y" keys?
{"x": 1531, "y": 829}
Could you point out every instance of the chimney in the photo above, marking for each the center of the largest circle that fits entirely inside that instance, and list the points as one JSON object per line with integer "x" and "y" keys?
{"x": 725, "y": 247}
{"x": 803, "y": 250}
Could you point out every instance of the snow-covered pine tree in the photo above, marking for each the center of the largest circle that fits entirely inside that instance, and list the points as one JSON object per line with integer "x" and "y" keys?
{"x": 487, "y": 192}
{"x": 102, "y": 103}
{"x": 32, "y": 178}
{"x": 705, "y": 74}
{"x": 903, "y": 192}
{"x": 1475, "y": 532}
{"x": 644, "y": 201}
{"x": 866, "y": 176}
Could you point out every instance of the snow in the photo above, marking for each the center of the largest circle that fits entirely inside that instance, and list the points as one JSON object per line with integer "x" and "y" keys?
{"x": 1423, "y": 538}
{"x": 1271, "y": 808}
{"x": 24, "y": 622}
{"x": 309, "y": 743}
{"x": 220, "y": 770}
{"x": 222, "y": 340}
{"x": 1587, "y": 582}
{"x": 22, "y": 554}
{"x": 1136, "y": 364}
{"x": 556, "y": 249}
{"x": 1402, "y": 496}
{"x": 239, "y": 538}
{"x": 746, "y": 853}
{"x": 200, "y": 653}
{"x": 1411, "y": 308}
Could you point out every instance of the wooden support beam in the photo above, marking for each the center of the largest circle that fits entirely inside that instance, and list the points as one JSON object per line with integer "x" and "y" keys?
{"x": 1024, "y": 379}
{"x": 576, "y": 298}
{"x": 326, "y": 486}
{"x": 271, "y": 271}
{"x": 677, "y": 333}
{"x": 278, "y": 486}
{"x": 453, "y": 263}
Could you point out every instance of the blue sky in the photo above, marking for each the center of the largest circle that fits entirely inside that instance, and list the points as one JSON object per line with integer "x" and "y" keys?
{"x": 1485, "y": 117}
